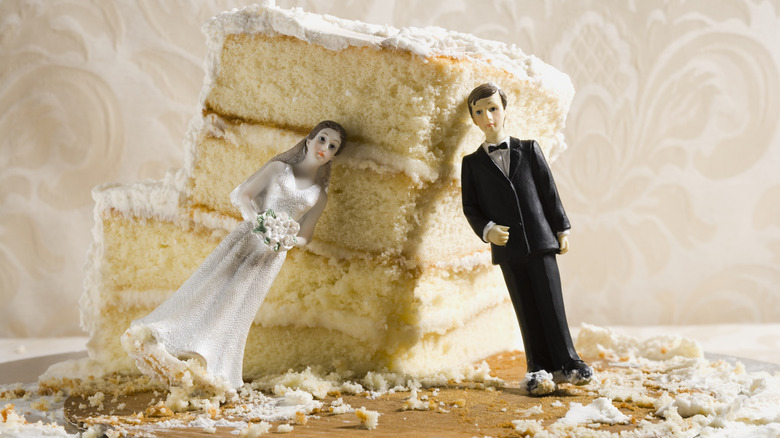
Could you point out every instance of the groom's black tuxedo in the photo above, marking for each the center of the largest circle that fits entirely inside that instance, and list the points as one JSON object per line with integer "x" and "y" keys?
{"x": 527, "y": 202}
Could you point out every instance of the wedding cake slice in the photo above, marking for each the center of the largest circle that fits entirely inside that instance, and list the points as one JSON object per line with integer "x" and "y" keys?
{"x": 394, "y": 278}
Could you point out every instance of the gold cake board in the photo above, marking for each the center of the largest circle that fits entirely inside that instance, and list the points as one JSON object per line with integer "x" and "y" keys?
{"x": 458, "y": 410}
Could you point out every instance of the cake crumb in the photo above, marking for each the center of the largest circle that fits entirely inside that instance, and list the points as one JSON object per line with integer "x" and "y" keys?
{"x": 301, "y": 418}
{"x": 10, "y": 416}
{"x": 41, "y": 405}
{"x": 255, "y": 430}
{"x": 368, "y": 419}
{"x": 414, "y": 404}
{"x": 536, "y": 410}
{"x": 159, "y": 410}
{"x": 115, "y": 433}
{"x": 339, "y": 407}
{"x": 528, "y": 428}
{"x": 13, "y": 393}
{"x": 96, "y": 401}
{"x": 95, "y": 431}
{"x": 284, "y": 428}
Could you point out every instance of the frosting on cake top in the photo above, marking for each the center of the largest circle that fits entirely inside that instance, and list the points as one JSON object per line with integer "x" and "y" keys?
{"x": 337, "y": 34}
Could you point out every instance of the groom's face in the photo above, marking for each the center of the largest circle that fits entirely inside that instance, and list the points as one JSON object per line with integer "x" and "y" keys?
{"x": 488, "y": 114}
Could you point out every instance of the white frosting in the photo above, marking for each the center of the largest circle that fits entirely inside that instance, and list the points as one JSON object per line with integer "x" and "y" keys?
{"x": 197, "y": 125}
{"x": 337, "y": 34}
{"x": 604, "y": 342}
{"x": 214, "y": 220}
{"x": 466, "y": 263}
{"x": 150, "y": 199}
{"x": 382, "y": 161}
{"x": 600, "y": 410}
{"x": 15, "y": 422}
{"x": 715, "y": 394}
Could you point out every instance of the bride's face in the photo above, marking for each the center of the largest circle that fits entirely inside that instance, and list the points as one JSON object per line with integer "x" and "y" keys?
{"x": 323, "y": 146}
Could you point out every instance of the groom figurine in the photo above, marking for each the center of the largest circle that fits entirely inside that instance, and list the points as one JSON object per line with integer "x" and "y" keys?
{"x": 510, "y": 200}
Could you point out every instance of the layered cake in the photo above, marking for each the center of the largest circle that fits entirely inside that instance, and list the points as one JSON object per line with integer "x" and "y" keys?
{"x": 394, "y": 279}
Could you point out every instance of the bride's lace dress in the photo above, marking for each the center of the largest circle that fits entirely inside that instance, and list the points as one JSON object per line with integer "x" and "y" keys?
{"x": 209, "y": 317}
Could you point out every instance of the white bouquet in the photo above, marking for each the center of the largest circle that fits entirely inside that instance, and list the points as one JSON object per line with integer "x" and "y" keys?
{"x": 277, "y": 232}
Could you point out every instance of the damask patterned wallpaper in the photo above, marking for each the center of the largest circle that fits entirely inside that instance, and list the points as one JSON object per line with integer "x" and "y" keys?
{"x": 671, "y": 180}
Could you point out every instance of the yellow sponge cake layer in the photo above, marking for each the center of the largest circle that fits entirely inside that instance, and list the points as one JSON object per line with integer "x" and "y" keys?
{"x": 370, "y": 211}
{"x": 172, "y": 255}
{"x": 284, "y": 80}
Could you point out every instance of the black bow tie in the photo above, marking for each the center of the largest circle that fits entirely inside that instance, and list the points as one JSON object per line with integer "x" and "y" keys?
{"x": 492, "y": 149}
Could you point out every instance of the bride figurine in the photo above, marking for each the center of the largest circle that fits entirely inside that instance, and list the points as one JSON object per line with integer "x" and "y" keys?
{"x": 196, "y": 338}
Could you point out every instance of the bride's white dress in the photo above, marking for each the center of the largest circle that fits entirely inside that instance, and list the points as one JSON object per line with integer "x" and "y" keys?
{"x": 209, "y": 317}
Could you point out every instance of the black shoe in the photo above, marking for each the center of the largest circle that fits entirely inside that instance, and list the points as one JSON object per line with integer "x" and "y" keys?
{"x": 577, "y": 372}
{"x": 538, "y": 383}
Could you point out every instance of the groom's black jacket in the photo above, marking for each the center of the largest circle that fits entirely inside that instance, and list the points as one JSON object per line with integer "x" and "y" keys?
{"x": 527, "y": 201}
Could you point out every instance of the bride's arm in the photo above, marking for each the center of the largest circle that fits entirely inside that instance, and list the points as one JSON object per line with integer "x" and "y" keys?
{"x": 309, "y": 220}
{"x": 256, "y": 184}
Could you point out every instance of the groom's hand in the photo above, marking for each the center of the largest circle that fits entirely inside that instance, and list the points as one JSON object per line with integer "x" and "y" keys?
{"x": 498, "y": 235}
{"x": 563, "y": 241}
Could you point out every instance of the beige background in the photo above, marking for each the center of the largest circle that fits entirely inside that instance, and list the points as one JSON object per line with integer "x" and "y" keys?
{"x": 671, "y": 180}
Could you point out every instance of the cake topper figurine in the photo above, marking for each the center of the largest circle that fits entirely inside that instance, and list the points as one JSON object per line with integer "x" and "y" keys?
{"x": 196, "y": 338}
{"x": 510, "y": 200}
